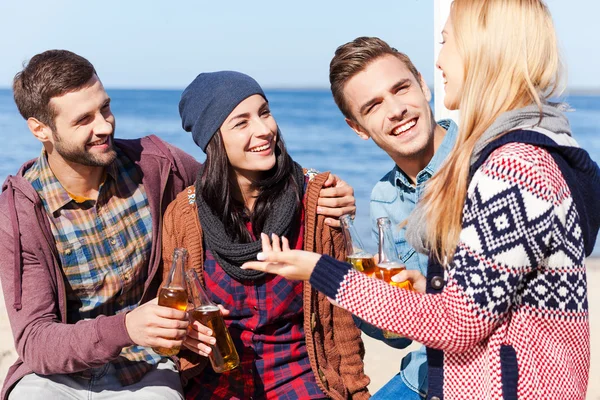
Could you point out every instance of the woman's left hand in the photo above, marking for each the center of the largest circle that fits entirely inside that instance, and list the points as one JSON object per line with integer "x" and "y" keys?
{"x": 277, "y": 258}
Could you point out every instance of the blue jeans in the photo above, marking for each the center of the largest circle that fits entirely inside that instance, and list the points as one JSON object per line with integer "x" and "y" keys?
{"x": 162, "y": 382}
{"x": 396, "y": 389}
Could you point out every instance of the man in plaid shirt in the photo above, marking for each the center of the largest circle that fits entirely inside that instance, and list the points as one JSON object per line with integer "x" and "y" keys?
{"x": 80, "y": 246}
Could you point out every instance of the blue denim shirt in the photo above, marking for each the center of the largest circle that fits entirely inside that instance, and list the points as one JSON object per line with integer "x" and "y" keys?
{"x": 395, "y": 197}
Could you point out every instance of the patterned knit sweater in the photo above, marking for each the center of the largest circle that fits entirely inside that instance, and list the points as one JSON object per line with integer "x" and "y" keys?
{"x": 512, "y": 318}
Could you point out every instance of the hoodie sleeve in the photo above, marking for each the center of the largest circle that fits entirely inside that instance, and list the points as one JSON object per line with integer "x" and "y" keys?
{"x": 187, "y": 166}
{"x": 42, "y": 340}
{"x": 516, "y": 206}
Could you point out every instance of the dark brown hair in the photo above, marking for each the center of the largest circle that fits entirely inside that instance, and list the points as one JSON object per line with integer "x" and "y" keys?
{"x": 352, "y": 58}
{"x": 47, "y": 75}
{"x": 216, "y": 187}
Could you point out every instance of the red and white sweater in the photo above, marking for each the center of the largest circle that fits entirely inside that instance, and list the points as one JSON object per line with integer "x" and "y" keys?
{"x": 516, "y": 287}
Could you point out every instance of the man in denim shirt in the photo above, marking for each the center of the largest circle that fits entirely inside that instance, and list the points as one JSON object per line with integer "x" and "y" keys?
{"x": 384, "y": 98}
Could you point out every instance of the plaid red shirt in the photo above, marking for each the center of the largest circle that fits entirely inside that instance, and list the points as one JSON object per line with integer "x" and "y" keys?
{"x": 266, "y": 324}
{"x": 104, "y": 247}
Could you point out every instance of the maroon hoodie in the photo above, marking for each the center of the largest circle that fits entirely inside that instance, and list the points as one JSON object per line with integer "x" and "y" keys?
{"x": 33, "y": 281}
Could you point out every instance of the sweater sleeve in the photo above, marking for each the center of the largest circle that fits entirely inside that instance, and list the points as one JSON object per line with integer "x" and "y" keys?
{"x": 508, "y": 227}
{"x": 45, "y": 344}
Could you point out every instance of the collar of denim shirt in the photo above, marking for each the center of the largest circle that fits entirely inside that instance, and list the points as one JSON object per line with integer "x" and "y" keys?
{"x": 435, "y": 162}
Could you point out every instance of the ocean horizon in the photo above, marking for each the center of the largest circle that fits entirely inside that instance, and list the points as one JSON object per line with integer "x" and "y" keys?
{"x": 311, "y": 124}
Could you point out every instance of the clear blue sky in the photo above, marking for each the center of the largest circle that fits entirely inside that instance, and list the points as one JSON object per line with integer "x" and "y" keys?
{"x": 164, "y": 44}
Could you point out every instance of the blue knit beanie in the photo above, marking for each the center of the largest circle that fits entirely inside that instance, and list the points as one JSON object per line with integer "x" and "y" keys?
{"x": 210, "y": 98}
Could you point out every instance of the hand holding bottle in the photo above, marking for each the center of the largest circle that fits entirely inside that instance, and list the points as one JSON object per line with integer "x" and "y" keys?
{"x": 211, "y": 329}
{"x": 200, "y": 337}
{"x": 417, "y": 280}
{"x": 151, "y": 325}
{"x": 174, "y": 296}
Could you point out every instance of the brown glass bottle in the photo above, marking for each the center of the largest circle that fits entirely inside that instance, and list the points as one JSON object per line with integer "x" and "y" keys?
{"x": 173, "y": 294}
{"x": 223, "y": 355}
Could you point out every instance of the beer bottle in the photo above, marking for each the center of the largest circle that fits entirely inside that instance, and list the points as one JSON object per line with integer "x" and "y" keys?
{"x": 356, "y": 254}
{"x": 223, "y": 355}
{"x": 389, "y": 262}
{"x": 173, "y": 293}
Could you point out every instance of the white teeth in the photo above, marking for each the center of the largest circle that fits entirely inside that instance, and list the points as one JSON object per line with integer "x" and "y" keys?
{"x": 260, "y": 148}
{"x": 404, "y": 128}
{"x": 99, "y": 142}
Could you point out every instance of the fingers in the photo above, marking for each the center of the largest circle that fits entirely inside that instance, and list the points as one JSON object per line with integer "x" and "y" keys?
{"x": 196, "y": 328}
{"x": 258, "y": 266}
{"x": 334, "y": 223}
{"x": 338, "y": 191}
{"x": 197, "y": 346}
{"x": 285, "y": 244}
{"x": 169, "y": 334}
{"x": 336, "y": 212}
{"x": 417, "y": 279}
{"x": 275, "y": 243}
{"x": 330, "y": 181}
{"x": 224, "y": 311}
{"x": 164, "y": 343}
{"x": 401, "y": 276}
{"x": 169, "y": 313}
{"x": 266, "y": 243}
{"x": 276, "y": 256}
{"x": 201, "y": 333}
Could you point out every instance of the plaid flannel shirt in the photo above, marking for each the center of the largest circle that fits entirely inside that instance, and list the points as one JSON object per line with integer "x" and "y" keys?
{"x": 104, "y": 249}
{"x": 266, "y": 325}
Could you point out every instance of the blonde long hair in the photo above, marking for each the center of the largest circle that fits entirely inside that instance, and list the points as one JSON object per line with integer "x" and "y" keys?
{"x": 511, "y": 60}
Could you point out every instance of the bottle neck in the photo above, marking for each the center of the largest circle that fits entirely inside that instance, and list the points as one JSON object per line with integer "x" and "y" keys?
{"x": 387, "y": 249}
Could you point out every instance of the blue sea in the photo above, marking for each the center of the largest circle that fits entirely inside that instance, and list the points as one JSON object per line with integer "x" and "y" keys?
{"x": 312, "y": 126}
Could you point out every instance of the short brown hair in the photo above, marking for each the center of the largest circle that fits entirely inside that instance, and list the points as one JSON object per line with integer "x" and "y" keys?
{"x": 47, "y": 75}
{"x": 352, "y": 58}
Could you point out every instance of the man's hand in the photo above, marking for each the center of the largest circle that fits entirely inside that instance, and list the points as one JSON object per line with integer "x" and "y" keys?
{"x": 336, "y": 199}
{"x": 418, "y": 281}
{"x": 200, "y": 337}
{"x": 151, "y": 325}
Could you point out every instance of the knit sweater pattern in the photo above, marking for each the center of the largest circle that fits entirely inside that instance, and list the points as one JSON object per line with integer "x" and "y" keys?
{"x": 512, "y": 318}
{"x": 333, "y": 341}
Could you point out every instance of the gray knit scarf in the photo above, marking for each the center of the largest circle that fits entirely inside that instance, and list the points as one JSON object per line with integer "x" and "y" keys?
{"x": 230, "y": 254}
{"x": 553, "y": 124}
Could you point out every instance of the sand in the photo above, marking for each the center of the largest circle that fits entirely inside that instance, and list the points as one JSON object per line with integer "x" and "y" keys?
{"x": 381, "y": 361}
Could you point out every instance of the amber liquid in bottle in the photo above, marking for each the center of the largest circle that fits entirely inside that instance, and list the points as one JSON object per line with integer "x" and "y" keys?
{"x": 389, "y": 263}
{"x": 223, "y": 355}
{"x": 363, "y": 263}
{"x": 173, "y": 293}
{"x": 386, "y": 272}
{"x": 176, "y": 298}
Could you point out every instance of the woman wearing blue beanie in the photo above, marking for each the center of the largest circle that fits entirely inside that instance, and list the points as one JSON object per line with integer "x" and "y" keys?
{"x": 292, "y": 342}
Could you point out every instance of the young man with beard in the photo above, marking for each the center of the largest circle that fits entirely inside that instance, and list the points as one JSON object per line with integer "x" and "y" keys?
{"x": 80, "y": 248}
{"x": 384, "y": 97}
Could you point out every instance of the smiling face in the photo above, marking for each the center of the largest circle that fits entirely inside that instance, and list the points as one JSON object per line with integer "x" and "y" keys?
{"x": 452, "y": 67}
{"x": 249, "y": 136}
{"x": 84, "y": 127}
{"x": 391, "y": 106}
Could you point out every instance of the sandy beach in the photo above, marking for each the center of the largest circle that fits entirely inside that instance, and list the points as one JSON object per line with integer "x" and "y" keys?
{"x": 383, "y": 362}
